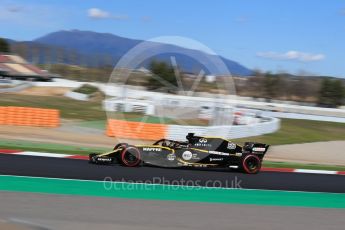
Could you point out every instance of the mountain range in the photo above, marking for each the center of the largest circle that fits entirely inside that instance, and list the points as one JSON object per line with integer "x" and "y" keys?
{"x": 91, "y": 45}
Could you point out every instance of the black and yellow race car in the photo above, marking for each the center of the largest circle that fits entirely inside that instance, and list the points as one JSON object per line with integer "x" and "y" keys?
{"x": 196, "y": 151}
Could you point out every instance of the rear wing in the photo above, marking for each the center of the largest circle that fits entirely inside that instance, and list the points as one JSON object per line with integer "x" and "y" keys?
{"x": 255, "y": 148}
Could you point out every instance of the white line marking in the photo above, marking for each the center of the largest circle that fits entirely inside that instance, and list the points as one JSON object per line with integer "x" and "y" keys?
{"x": 40, "y": 154}
{"x": 315, "y": 171}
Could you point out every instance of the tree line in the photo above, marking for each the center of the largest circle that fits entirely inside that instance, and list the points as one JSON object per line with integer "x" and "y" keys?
{"x": 323, "y": 91}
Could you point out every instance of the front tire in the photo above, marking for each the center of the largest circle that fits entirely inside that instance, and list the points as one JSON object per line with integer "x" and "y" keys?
{"x": 131, "y": 156}
{"x": 251, "y": 164}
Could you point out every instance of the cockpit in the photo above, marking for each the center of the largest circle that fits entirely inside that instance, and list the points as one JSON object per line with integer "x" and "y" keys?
{"x": 171, "y": 144}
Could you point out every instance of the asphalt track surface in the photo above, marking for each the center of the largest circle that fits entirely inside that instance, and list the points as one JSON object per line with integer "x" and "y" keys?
{"x": 89, "y": 213}
{"x": 80, "y": 169}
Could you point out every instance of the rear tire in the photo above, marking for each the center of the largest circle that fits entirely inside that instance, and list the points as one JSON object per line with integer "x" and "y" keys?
{"x": 251, "y": 164}
{"x": 131, "y": 156}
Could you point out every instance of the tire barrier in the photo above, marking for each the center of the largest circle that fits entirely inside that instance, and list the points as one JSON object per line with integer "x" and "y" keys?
{"x": 136, "y": 130}
{"x": 27, "y": 116}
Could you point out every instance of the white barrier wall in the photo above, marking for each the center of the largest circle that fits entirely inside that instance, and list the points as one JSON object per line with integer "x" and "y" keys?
{"x": 302, "y": 116}
{"x": 60, "y": 83}
{"x": 140, "y": 93}
{"x": 178, "y": 132}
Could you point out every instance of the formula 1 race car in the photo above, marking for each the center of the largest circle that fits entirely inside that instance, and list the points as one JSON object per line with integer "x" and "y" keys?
{"x": 197, "y": 151}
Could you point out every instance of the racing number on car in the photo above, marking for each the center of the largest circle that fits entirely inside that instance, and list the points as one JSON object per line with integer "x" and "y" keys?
{"x": 231, "y": 145}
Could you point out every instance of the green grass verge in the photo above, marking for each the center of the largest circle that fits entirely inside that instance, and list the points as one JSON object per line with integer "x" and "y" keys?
{"x": 294, "y": 131}
{"x": 173, "y": 193}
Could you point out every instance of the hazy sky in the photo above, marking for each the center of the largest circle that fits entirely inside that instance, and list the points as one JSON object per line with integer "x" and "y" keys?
{"x": 287, "y": 35}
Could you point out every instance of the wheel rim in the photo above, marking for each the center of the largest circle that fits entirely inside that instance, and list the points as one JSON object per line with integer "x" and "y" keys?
{"x": 252, "y": 164}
